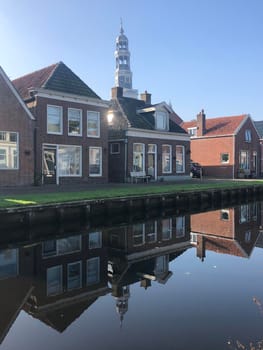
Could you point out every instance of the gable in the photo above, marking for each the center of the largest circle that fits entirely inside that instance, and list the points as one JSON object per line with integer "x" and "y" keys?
{"x": 56, "y": 77}
{"x": 11, "y": 89}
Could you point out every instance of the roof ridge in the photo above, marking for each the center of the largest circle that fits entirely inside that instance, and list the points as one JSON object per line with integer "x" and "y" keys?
{"x": 52, "y": 72}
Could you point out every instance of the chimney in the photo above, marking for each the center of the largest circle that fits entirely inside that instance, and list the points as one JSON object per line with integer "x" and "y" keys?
{"x": 146, "y": 97}
{"x": 116, "y": 92}
{"x": 201, "y": 129}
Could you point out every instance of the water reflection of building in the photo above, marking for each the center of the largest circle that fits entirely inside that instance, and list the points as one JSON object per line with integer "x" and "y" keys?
{"x": 231, "y": 231}
{"x": 141, "y": 253}
{"x": 57, "y": 280}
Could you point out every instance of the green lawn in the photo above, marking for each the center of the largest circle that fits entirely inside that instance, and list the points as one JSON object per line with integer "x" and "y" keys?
{"x": 116, "y": 192}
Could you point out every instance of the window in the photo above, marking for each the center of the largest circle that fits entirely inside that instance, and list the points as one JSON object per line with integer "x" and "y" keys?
{"x": 166, "y": 159}
{"x": 166, "y": 229}
{"x": 93, "y": 124}
{"x": 8, "y": 150}
{"x": 138, "y": 157}
{"x": 61, "y": 246}
{"x": 224, "y": 215}
{"x": 54, "y": 280}
{"x": 180, "y": 227}
{"x": 74, "y": 275}
{"x": 8, "y": 263}
{"x": 192, "y": 132}
{"x": 68, "y": 245}
{"x": 244, "y": 160}
{"x": 95, "y": 161}
{"x": 114, "y": 148}
{"x": 180, "y": 159}
{"x": 161, "y": 120}
{"x": 74, "y": 122}
{"x": 54, "y": 120}
{"x": 94, "y": 240}
{"x": 247, "y": 236}
{"x": 69, "y": 160}
{"x": 151, "y": 231}
{"x": 248, "y": 135}
{"x": 224, "y": 157}
{"x": 138, "y": 233}
{"x": 93, "y": 271}
{"x": 244, "y": 213}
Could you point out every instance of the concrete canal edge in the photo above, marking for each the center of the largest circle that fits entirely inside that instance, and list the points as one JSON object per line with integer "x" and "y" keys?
{"x": 26, "y": 217}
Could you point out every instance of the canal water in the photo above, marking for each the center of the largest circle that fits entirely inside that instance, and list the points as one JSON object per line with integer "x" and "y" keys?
{"x": 165, "y": 282}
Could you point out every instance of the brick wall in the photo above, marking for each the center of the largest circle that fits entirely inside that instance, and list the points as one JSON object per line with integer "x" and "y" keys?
{"x": 85, "y": 142}
{"x": 13, "y": 117}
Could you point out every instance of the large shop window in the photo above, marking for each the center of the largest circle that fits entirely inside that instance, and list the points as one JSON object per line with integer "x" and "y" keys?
{"x": 95, "y": 161}
{"x": 8, "y": 150}
{"x": 180, "y": 159}
{"x": 54, "y": 120}
{"x": 93, "y": 124}
{"x": 138, "y": 157}
{"x": 74, "y": 122}
{"x": 166, "y": 159}
{"x": 69, "y": 160}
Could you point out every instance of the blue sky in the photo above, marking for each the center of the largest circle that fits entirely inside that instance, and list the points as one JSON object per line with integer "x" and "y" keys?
{"x": 193, "y": 53}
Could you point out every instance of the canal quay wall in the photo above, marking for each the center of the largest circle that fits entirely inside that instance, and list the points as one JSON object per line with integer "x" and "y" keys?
{"x": 49, "y": 220}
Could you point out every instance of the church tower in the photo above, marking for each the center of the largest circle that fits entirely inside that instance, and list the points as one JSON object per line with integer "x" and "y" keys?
{"x": 123, "y": 73}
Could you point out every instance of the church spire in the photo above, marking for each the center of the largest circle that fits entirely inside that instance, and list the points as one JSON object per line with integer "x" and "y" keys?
{"x": 123, "y": 74}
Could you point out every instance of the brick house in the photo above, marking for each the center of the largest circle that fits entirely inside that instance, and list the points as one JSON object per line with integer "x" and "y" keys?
{"x": 144, "y": 138}
{"x": 71, "y": 138}
{"x": 226, "y": 147}
{"x": 232, "y": 231}
{"x": 16, "y": 137}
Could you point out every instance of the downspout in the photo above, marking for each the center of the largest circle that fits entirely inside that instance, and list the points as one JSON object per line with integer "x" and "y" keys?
{"x": 125, "y": 159}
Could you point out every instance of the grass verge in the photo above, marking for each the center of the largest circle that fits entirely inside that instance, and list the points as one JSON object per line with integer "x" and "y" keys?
{"x": 117, "y": 192}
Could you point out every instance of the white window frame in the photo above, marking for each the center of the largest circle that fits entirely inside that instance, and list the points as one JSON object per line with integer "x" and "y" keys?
{"x": 60, "y": 173}
{"x": 248, "y": 135}
{"x": 98, "y": 123}
{"x": 221, "y": 158}
{"x": 140, "y": 234}
{"x": 56, "y": 251}
{"x": 165, "y": 120}
{"x": 99, "y": 243}
{"x": 97, "y": 259}
{"x": 183, "y": 160}
{"x": 80, "y": 275}
{"x": 151, "y": 237}
{"x": 170, "y": 229}
{"x": 80, "y": 121}
{"x": 180, "y": 226}
{"x": 142, "y": 153}
{"x": 9, "y": 148}
{"x": 192, "y": 131}
{"x": 100, "y": 150}
{"x": 246, "y": 165}
{"x": 170, "y": 160}
{"x": 60, "y": 108}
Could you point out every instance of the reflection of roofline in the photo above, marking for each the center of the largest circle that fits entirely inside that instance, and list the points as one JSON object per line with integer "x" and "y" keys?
{"x": 154, "y": 252}
{"x": 72, "y": 300}
{"x": 3, "y": 335}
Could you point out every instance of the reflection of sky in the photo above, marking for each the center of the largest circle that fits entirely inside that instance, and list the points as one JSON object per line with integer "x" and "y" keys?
{"x": 202, "y": 306}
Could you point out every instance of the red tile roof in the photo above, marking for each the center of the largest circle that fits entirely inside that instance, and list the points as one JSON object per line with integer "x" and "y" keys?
{"x": 33, "y": 80}
{"x": 57, "y": 77}
{"x": 218, "y": 126}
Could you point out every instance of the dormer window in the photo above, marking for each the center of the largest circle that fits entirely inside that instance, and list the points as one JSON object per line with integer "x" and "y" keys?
{"x": 161, "y": 120}
{"x": 192, "y": 131}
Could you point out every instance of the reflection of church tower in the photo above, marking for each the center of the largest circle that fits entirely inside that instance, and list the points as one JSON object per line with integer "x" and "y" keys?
{"x": 122, "y": 301}
{"x": 123, "y": 73}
